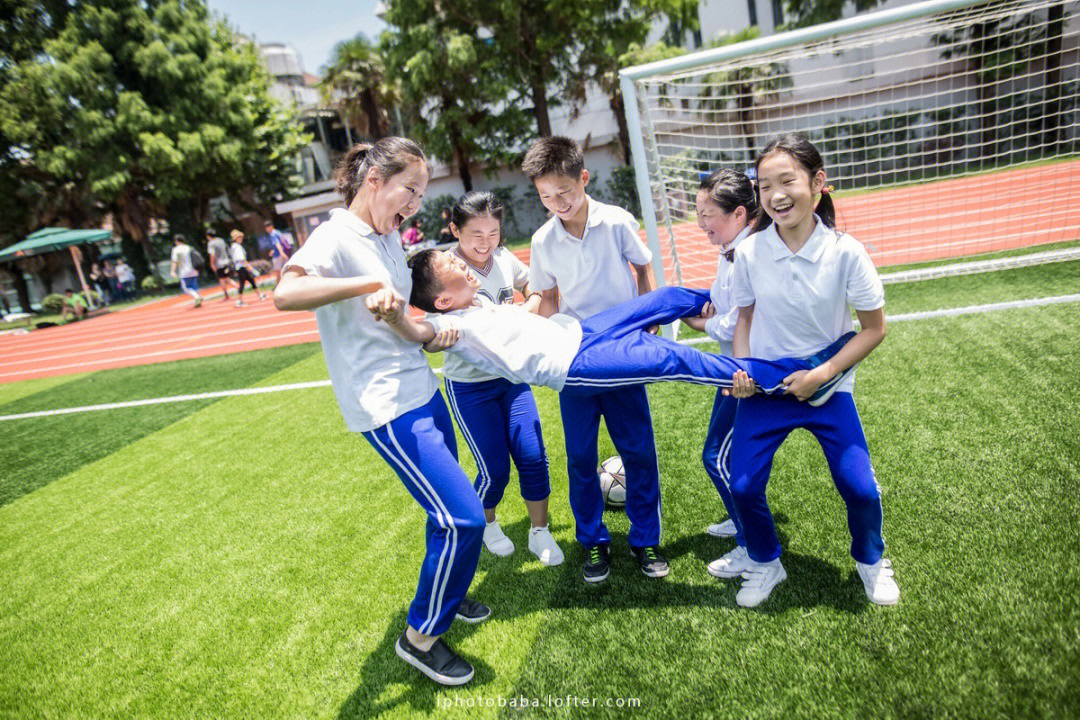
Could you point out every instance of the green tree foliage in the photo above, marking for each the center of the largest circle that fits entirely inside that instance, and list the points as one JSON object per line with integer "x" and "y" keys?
{"x": 803, "y": 13}
{"x": 457, "y": 82}
{"x": 356, "y": 84}
{"x": 139, "y": 104}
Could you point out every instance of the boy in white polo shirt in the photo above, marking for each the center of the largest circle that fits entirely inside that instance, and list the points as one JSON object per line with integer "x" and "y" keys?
{"x": 587, "y": 258}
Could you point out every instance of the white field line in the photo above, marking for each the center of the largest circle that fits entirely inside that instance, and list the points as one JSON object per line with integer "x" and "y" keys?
{"x": 314, "y": 334}
{"x": 980, "y": 266}
{"x": 947, "y": 312}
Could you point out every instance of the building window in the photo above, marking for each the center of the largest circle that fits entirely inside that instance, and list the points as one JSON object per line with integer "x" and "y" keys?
{"x": 751, "y": 7}
{"x": 777, "y": 13}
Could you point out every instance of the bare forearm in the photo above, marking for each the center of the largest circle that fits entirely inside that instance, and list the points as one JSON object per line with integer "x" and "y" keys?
{"x": 697, "y": 323}
{"x": 418, "y": 331}
{"x": 868, "y": 338}
{"x": 307, "y": 292}
{"x": 646, "y": 280}
{"x": 549, "y": 302}
{"x": 740, "y": 344}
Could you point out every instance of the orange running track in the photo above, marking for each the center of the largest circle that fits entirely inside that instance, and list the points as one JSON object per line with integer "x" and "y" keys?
{"x": 947, "y": 218}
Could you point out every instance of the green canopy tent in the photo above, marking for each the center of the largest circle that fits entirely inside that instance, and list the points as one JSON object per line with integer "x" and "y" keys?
{"x": 52, "y": 239}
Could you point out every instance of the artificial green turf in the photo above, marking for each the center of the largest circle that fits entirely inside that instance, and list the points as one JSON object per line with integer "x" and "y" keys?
{"x": 1015, "y": 252}
{"x": 1061, "y": 278}
{"x": 12, "y": 391}
{"x": 36, "y": 451}
{"x": 253, "y": 559}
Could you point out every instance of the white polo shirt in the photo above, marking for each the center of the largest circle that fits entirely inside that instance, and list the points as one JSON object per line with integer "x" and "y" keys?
{"x": 721, "y": 326}
{"x": 181, "y": 255}
{"x": 592, "y": 273}
{"x": 503, "y": 275}
{"x": 510, "y": 342}
{"x": 377, "y": 376}
{"x": 801, "y": 301}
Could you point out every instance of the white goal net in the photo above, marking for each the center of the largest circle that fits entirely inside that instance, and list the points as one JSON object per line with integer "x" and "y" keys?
{"x": 948, "y": 128}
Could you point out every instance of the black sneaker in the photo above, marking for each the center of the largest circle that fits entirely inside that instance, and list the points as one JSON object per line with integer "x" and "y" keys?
{"x": 473, "y": 611}
{"x": 597, "y": 564}
{"x": 439, "y": 662}
{"x": 651, "y": 561}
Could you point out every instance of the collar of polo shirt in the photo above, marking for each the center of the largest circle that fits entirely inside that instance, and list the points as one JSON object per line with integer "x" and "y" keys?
{"x": 811, "y": 250}
{"x": 592, "y": 220}
{"x": 353, "y": 222}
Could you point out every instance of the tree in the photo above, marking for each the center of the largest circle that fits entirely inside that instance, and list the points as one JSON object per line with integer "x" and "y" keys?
{"x": 355, "y": 82}
{"x": 803, "y": 13}
{"x": 747, "y": 84}
{"x": 601, "y": 62}
{"x": 456, "y": 82}
{"x": 998, "y": 49}
{"x": 143, "y": 104}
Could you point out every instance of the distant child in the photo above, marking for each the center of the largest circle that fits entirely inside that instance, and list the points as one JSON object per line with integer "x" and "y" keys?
{"x": 277, "y": 246}
{"x": 412, "y": 235}
{"x": 74, "y": 305}
{"x": 726, "y": 207}
{"x": 796, "y": 280}
{"x": 220, "y": 262}
{"x": 241, "y": 266}
{"x": 183, "y": 267}
{"x": 498, "y": 418}
{"x": 586, "y": 259}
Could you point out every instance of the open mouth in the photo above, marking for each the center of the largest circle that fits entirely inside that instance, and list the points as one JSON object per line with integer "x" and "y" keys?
{"x": 781, "y": 208}
{"x": 398, "y": 219}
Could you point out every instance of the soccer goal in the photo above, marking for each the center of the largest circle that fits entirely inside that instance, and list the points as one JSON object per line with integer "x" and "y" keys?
{"x": 948, "y": 129}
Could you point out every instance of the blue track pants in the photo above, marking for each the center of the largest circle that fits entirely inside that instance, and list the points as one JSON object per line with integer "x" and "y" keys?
{"x": 499, "y": 421}
{"x": 421, "y": 449}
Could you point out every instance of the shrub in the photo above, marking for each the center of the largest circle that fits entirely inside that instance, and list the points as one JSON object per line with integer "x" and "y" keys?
{"x": 54, "y": 302}
{"x": 150, "y": 283}
{"x": 430, "y": 216}
{"x": 622, "y": 187}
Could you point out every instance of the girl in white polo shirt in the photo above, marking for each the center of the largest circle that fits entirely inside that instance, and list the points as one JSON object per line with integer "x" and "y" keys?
{"x": 727, "y": 207}
{"x": 498, "y": 418}
{"x": 795, "y": 280}
{"x": 385, "y": 387}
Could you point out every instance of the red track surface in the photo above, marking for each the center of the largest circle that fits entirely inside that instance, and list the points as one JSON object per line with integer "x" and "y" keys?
{"x": 949, "y": 218}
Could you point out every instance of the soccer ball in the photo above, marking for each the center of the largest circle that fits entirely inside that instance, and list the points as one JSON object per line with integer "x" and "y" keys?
{"x": 613, "y": 481}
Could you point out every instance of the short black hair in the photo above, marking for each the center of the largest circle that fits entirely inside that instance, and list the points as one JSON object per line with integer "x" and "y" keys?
{"x": 179, "y": 237}
{"x": 555, "y": 154}
{"x": 426, "y": 285}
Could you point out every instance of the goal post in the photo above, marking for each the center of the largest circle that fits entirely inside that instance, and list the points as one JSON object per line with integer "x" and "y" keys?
{"x": 948, "y": 128}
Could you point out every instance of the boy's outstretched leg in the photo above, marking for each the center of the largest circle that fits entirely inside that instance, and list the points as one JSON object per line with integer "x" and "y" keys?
{"x": 640, "y": 358}
{"x": 659, "y": 307}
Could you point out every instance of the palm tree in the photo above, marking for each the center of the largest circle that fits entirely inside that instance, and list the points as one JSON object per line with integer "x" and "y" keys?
{"x": 355, "y": 83}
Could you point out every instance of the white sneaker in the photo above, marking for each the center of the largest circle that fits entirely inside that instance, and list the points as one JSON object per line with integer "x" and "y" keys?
{"x": 758, "y": 582}
{"x": 544, "y": 547}
{"x": 240, "y": 303}
{"x": 878, "y": 581}
{"x": 496, "y": 541}
{"x": 732, "y": 564}
{"x": 723, "y": 529}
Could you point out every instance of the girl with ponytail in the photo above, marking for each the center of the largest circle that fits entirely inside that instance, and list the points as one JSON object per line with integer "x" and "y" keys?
{"x": 385, "y": 388}
{"x": 727, "y": 209}
{"x": 796, "y": 282}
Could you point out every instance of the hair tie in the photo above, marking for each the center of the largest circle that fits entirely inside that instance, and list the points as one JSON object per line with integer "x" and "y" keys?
{"x": 827, "y": 189}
